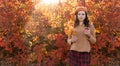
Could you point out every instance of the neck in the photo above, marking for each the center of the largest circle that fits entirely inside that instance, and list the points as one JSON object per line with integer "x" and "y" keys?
{"x": 80, "y": 23}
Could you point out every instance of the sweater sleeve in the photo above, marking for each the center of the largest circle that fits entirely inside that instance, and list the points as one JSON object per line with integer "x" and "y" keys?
{"x": 92, "y": 38}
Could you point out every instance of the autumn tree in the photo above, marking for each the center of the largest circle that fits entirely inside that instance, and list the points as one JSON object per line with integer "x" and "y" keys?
{"x": 105, "y": 15}
{"x": 31, "y": 33}
{"x": 14, "y": 14}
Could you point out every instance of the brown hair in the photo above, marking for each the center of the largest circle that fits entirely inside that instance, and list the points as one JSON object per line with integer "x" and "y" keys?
{"x": 86, "y": 20}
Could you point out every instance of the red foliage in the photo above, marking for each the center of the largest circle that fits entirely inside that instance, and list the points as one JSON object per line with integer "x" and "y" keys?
{"x": 105, "y": 15}
{"x": 13, "y": 16}
{"x": 15, "y": 13}
{"x": 60, "y": 41}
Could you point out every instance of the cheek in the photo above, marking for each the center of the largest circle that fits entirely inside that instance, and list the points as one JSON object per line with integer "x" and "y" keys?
{"x": 84, "y": 16}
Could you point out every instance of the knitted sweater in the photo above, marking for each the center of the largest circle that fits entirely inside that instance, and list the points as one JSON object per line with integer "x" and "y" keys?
{"x": 82, "y": 44}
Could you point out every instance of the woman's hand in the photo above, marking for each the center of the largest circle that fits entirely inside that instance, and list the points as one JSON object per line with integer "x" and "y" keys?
{"x": 69, "y": 41}
{"x": 74, "y": 38}
{"x": 87, "y": 32}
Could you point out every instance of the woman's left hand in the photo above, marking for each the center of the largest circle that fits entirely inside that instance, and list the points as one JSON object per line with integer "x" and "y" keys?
{"x": 87, "y": 32}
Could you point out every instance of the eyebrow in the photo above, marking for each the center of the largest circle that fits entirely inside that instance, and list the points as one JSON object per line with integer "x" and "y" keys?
{"x": 81, "y": 13}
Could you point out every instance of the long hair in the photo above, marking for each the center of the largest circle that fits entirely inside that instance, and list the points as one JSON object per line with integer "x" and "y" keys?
{"x": 76, "y": 21}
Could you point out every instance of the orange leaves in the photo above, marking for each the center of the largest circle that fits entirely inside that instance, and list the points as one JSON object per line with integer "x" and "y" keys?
{"x": 60, "y": 41}
{"x": 69, "y": 30}
{"x": 118, "y": 39}
{"x": 114, "y": 45}
{"x": 3, "y": 44}
{"x": 97, "y": 31}
{"x": 56, "y": 54}
{"x": 40, "y": 57}
{"x": 6, "y": 46}
{"x": 50, "y": 23}
{"x": 13, "y": 16}
{"x": 104, "y": 14}
{"x": 40, "y": 52}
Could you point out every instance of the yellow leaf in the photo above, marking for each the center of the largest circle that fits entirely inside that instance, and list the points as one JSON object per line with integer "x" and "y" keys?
{"x": 97, "y": 31}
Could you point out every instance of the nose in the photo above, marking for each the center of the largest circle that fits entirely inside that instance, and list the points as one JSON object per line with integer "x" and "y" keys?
{"x": 80, "y": 16}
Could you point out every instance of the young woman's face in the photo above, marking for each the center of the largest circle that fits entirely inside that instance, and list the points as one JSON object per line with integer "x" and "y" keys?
{"x": 81, "y": 15}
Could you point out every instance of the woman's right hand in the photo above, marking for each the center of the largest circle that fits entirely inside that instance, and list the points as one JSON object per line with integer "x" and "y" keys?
{"x": 74, "y": 39}
{"x": 69, "y": 41}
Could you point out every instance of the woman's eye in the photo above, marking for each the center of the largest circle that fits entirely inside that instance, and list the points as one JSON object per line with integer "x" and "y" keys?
{"x": 83, "y": 14}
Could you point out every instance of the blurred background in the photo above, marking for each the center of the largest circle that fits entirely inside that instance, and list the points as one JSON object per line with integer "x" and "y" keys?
{"x": 34, "y": 32}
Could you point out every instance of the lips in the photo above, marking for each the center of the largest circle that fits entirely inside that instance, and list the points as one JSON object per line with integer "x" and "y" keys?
{"x": 80, "y": 18}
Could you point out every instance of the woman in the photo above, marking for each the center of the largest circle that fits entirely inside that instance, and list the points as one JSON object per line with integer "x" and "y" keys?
{"x": 80, "y": 42}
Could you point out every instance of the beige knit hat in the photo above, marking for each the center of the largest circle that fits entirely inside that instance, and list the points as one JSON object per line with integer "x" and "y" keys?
{"x": 81, "y": 8}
